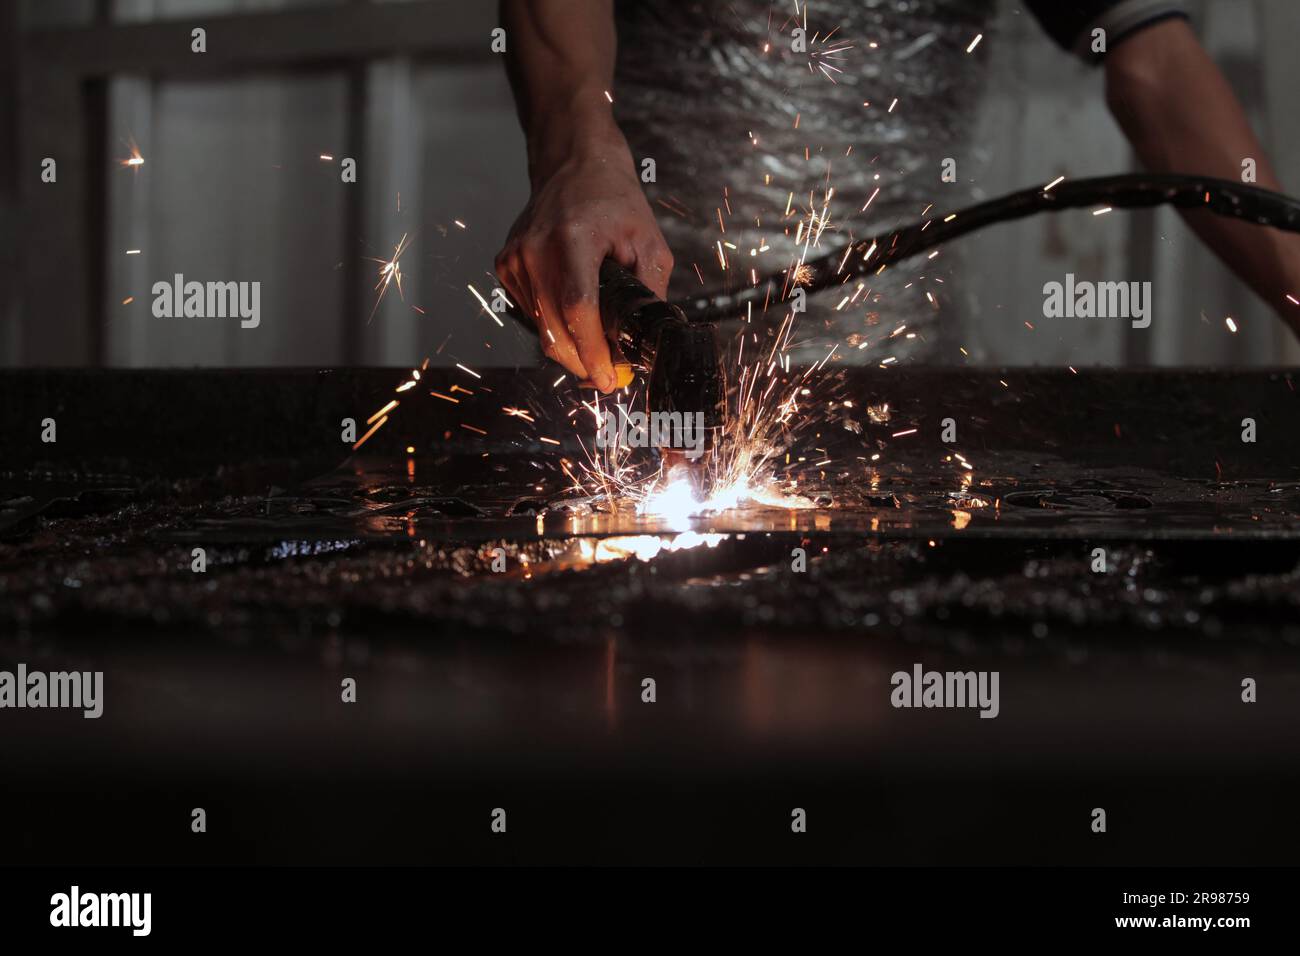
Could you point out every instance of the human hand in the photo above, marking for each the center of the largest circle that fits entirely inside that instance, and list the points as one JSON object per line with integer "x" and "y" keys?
{"x": 585, "y": 206}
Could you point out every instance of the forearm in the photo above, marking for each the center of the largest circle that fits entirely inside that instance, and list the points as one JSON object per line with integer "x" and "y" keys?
{"x": 586, "y": 204}
{"x": 561, "y": 64}
{"x": 1181, "y": 116}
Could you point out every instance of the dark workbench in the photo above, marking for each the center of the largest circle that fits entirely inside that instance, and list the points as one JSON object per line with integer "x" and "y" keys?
{"x": 522, "y": 689}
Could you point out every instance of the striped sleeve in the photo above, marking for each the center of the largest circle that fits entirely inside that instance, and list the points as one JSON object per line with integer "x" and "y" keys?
{"x": 1071, "y": 23}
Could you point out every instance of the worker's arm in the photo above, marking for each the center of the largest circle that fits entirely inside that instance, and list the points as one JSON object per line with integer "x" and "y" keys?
{"x": 586, "y": 201}
{"x": 1181, "y": 116}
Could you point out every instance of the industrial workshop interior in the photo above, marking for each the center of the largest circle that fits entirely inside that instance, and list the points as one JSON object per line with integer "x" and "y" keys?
{"x": 850, "y": 439}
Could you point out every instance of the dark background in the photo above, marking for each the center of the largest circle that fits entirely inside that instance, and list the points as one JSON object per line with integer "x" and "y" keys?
{"x": 233, "y": 188}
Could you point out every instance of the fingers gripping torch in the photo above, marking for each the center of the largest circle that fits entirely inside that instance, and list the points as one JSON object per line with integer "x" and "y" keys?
{"x": 680, "y": 359}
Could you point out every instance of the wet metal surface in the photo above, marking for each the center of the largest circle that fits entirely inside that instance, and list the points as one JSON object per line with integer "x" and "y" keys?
{"x": 1058, "y": 461}
{"x": 524, "y": 685}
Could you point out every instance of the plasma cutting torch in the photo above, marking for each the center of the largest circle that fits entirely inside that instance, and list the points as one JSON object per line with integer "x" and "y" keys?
{"x": 675, "y": 345}
{"x": 679, "y": 359}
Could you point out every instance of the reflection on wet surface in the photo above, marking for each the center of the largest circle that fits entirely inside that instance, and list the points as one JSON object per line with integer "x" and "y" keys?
{"x": 501, "y": 629}
{"x": 911, "y": 534}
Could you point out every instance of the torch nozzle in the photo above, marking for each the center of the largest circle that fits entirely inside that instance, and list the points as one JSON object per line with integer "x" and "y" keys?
{"x": 681, "y": 359}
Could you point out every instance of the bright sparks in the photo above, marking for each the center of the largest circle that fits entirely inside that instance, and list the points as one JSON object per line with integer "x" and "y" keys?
{"x": 135, "y": 160}
{"x": 390, "y": 273}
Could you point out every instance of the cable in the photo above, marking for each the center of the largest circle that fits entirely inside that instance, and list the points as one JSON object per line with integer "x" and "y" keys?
{"x": 1133, "y": 191}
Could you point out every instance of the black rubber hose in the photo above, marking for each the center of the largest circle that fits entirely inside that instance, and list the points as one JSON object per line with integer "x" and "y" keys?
{"x": 1132, "y": 191}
